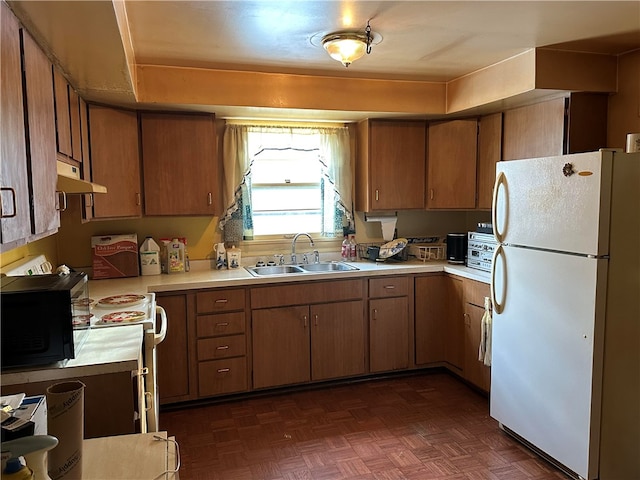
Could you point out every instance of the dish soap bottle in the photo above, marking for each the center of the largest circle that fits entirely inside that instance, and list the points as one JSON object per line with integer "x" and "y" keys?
{"x": 346, "y": 249}
{"x": 353, "y": 248}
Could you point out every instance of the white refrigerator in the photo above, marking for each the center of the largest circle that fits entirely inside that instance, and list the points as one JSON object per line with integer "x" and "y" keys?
{"x": 565, "y": 373}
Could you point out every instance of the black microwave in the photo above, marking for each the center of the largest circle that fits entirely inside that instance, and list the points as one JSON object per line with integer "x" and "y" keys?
{"x": 39, "y": 318}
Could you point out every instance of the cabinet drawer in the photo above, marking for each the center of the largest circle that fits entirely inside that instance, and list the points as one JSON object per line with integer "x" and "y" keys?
{"x": 388, "y": 287}
{"x": 221, "y": 347}
{"x": 220, "y": 301}
{"x": 222, "y": 324}
{"x": 475, "y": 292}
{"x": 216, "y": 377}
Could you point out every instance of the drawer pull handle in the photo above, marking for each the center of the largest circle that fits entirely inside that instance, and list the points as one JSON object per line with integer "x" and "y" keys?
{"x": 222, "y": 324}
{"x": 224, "y": 370}
{"x": 223, "y": 347}
{"x": 389, "y": 287}
{"x": 13, "y": 203}
{"x": 222, "y": 300}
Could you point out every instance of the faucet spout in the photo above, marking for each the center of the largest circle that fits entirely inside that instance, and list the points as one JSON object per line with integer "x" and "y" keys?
{"x": 293, "y": 245}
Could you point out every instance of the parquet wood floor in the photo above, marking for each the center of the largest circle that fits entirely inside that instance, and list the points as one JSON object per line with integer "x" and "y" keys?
{"x": 424, "y": 426}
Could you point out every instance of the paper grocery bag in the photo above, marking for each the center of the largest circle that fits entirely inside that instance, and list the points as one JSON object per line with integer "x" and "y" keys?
{"x": 65, "y": 421}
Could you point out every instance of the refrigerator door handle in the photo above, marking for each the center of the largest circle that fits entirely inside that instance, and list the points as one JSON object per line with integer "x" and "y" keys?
{"x": 497, "y": 307}
{"x": 500, "y": 180}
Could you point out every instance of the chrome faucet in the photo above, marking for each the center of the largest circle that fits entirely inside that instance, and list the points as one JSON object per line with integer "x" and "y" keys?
{"x": 293, "y": 245}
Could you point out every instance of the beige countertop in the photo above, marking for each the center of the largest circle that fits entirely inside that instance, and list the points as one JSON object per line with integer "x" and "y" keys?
{"x": 106, "y": 350}
{"x": 203, "y": 278}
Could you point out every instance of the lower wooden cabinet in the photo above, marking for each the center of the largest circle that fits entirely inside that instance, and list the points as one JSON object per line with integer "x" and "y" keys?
{"x": 173, "y": 352}
{"x": 221, "y": 342}
{"x": 475, "y": 371}
{"x": 388, "y": 324}
{"x": 298, "y": 344}
{"x": 430, "y": 319}
{"x": 337, "y": 340}
{"x": 281, "y": 346}
{"x": 454, "y": 324}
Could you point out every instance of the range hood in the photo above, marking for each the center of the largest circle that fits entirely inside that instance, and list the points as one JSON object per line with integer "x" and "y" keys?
{"x": 69, "y": 181}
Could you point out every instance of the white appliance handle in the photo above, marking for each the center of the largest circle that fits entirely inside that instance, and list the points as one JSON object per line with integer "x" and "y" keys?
{"x": 497, "y": 307}
{"x": 500, "y": 180}
{"x": 159, "y": 337}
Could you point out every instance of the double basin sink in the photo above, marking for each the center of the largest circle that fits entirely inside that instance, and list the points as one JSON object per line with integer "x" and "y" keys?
{"x": 300, "y": 268}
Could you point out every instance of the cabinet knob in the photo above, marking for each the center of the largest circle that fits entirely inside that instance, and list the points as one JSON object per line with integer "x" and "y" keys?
{"x": 375, "y": 314}
{"x": 209, "y": 198}
{"x": 389, "y": 287}
{"x": 222, "y": 324}
{"x": 377, "y": 195}
{"x": 315, "y": 318}
{"x": 306, "y": 321}
{"x": 221, "y": 300}
{"x": 223, "y": 347}
{"x": 431, "y": 193}
{"x": 138, "y": 201}
{"x": 224, "y": 370}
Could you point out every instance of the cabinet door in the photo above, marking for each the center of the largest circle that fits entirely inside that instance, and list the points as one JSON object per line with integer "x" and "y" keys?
{"x": 172, "y": 353}
{"x": 451, "y": 164}
{"x": 534, "y": 130}
{"x": 431, "y": 318}
{"x": 337, "y": 340}
{"x": 87, "y": 199}
{"x": 281, "y": 348}
{"x": 474, "y": 370}
{"x": 14, "y": 190}
{"x": 74, "y": 115}
{"x": 388, "y": 334}
{"x": 454, "y": 327}
{"x": 41, "y": 145}
{"x": 489, "y": 153}
{"x": 115, "y": 164}
{"x": 62, "y": 114}
{"x": 396, "y": 165}
{"x": 180, "y": 164}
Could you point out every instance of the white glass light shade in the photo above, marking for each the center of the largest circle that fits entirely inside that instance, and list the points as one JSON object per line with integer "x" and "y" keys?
{"x": 346, "y": 47}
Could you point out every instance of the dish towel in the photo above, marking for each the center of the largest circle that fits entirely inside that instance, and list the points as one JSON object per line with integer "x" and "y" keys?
{"x": 484, "y": 352}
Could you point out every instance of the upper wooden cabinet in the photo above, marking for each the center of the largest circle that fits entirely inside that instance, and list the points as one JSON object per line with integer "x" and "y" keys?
{"x": 115, "y": 162}
{"x": 390, "y": 165}
{"x": 179, "y": 163}
{"x": 29, "y": 176}
{"x": 45, "y": 217}
{"x": 67, "y": 117}
{"x": 451, "y": 164}
{"x": 14, "y": 186}
{"x": 489, "y": 153}
{"x": 573, "y": 124}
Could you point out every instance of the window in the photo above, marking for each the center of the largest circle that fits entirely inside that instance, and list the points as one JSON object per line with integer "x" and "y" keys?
{"x": 286, "y": 192}
{"x": 294, "y": 179}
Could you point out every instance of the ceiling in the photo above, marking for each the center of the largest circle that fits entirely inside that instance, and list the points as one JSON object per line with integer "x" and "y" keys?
{"x": 435, "y": 41}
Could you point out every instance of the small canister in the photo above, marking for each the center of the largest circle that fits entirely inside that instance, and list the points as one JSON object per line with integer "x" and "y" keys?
{"x": 456, "y": 247}
{"x": 233, "y": 257}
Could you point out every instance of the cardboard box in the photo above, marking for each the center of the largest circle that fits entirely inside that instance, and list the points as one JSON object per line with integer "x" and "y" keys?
{"x": 115, "y": 256}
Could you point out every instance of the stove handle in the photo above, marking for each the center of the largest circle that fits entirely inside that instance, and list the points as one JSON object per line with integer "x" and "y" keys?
{"x": 159, "y": 337}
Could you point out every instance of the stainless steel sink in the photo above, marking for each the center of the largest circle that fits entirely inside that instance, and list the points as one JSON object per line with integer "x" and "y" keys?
{"x": 274, "y": 270}
{"x": 328, "y": 267}
{"x": 300, "y": 268}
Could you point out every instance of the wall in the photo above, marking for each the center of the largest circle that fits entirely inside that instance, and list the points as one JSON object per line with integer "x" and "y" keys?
{"x": 624, "y": 106}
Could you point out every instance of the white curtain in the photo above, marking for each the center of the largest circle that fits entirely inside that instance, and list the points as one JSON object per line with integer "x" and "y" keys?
{"x": 242, "y": 142}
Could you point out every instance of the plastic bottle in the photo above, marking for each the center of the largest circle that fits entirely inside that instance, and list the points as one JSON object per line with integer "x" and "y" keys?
{"x": 353, "y": 249}
{"x": 150, "y": 257}
{"x": 346, "y": 249}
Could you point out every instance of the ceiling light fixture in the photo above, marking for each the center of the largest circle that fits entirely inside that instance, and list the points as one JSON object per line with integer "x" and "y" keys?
{"x": 346, "y": 47}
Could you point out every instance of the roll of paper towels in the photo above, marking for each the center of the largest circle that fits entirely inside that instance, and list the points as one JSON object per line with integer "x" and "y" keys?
{"x": 388, "y": 224}
{"x": 633, "y": 142}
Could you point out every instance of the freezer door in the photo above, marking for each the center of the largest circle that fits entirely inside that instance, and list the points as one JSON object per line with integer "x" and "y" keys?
{"x": 556, "y": 203}
{"x": 547, "y": 352}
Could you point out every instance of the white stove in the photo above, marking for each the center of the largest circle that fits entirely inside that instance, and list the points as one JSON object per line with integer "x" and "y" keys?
{"x": 153, "y": 318}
